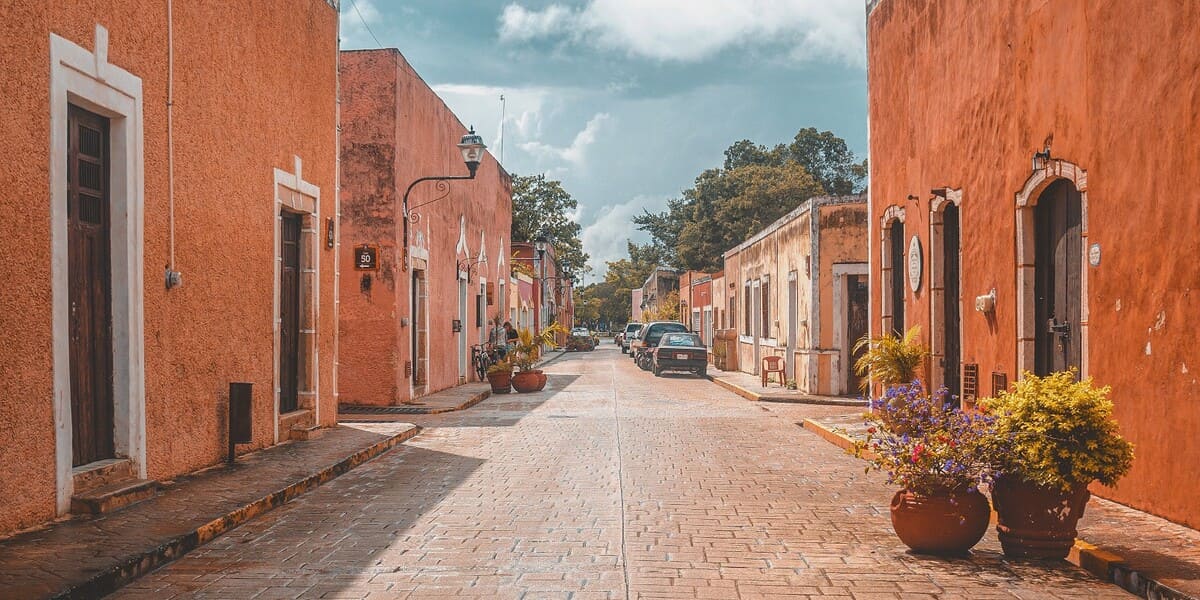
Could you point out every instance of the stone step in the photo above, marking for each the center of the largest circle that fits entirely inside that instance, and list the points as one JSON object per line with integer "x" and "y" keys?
{"x": 306, "y": 432}
{"x": 101, "y": 473}
{"x": 113, "y": 496}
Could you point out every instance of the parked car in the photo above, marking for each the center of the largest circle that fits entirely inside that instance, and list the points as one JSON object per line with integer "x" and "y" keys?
{"x": 679, "y": 352}
{"x": 649, "y": 337}
{"x": 630, "y": 332}
{"x": 581, "y": 339}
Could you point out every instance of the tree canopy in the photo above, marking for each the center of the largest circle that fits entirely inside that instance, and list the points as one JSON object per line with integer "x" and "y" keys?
{"x": 541, "y": 207}
{"x": 755, "y": 186}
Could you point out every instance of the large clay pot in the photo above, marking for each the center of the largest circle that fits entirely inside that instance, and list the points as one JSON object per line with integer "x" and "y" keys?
{"x": 947, "y": 522}
{"x": 529, "y": 381}
{"x": 501, "y": 381}
{"x": 1037, "y": 521}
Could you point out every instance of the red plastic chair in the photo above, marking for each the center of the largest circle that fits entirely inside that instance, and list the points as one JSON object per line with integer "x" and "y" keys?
{"x": 773, "y": 364}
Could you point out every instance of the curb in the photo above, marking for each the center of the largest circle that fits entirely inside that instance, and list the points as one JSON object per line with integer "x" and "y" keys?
{"x": 138, "y": 564}
{"x": 1105, "y": 565}
{"x": 757, "y": 397}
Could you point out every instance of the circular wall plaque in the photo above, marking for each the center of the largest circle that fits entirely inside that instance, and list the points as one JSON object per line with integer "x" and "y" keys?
{"x": 915, "y": 262}
{"x": 1094, "y": 255}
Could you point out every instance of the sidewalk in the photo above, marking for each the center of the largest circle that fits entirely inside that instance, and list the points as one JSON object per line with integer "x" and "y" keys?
{"x": 1146, "y": 555}
{"x": 87, "y": 557}
{"x": 460, "y": 397}
{"x": 750, "y": 387}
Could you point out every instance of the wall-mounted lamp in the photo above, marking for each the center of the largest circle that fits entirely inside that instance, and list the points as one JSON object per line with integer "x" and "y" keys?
{"x": 986, "y": 303}
{"x": 1041, "y": 159}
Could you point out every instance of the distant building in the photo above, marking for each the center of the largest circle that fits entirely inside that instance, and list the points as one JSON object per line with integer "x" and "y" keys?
{"x": 635, "y": 305}
{"x": 658, "y": 286}
{"x": 408, "y": 322}
{"x": 553, "y": 289}
{"x": 695, "y": 303}
{"x": 798, "y": 289}
{"x": 1033, "y": 208}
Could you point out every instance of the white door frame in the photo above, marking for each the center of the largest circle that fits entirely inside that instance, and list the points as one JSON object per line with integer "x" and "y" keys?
{"x": 841, "y": 324}
{"x": 89, "y": 81}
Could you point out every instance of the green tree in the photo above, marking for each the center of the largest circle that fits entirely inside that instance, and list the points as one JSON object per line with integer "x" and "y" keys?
{"x": 541, "y": 207}
{"x": 755, "y": 186}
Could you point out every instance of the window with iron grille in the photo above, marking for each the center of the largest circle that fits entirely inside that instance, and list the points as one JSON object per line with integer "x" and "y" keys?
{"x": 970, "y": 382}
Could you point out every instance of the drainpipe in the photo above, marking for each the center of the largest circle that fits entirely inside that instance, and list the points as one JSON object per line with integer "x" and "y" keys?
{"x": 172, "y": 277}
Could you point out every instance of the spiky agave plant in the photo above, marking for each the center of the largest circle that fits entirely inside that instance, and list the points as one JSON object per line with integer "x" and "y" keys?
{"x": 890, "y": 359}
{"x": 529, "y": 346}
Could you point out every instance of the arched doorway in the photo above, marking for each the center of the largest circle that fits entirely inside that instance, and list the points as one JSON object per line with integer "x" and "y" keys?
{"x": 1052, "y": 309}
{"x": 1057, "y": 287}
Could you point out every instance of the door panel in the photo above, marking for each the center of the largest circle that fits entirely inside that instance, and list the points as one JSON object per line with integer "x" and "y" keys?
{"x": 89, "y": 287}
{"x": 1057, "y": 285}
{"x": 289, "y": 314}
{"x": 951, "y": 301}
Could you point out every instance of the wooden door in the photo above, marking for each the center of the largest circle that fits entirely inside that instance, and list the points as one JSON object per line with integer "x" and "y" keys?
{"x": 1057, "y": 285}
{"x": 857, "y": 298}
{"x": 793, "y": 322}
{"x": 951, "y": 301}
{"x": 899, "y": 266}
{"x": 289, "y": 314}
{"x": 90, "y": 287}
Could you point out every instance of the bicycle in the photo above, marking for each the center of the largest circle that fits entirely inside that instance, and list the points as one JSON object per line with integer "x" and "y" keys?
{"x": 483, "y": 356}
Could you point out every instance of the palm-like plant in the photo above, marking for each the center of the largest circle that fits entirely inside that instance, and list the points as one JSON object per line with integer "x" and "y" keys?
{"x": 529, "y": 346}
{"x": 890, "y": 359}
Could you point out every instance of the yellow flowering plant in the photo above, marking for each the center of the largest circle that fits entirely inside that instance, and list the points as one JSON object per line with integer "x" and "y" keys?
{"x": 1060, "y": 431}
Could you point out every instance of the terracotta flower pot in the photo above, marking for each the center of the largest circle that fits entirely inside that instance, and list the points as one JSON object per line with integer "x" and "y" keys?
{"x": 501, "y": 381}
{"x": 949, "y": 522}
{"x": 1037, "y": 521}
{"x": 529, "y": 381}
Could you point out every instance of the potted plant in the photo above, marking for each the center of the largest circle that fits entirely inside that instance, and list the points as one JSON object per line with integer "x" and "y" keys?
{"x": 500, "y": 376}
{"x": 525, "y": 355}
{"x": 1061, "y": 438}
{"x": 939, "y": 456}
{"x": 890, "y": 359}
{"x": 719, "y": 354}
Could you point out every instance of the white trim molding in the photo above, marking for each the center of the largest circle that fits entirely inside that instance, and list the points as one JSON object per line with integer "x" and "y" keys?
{"x": 86, "y": 79}
{"x": 305, "y": 200}
{"x": 840, "y": 369}
{"x": 937, "y": 283}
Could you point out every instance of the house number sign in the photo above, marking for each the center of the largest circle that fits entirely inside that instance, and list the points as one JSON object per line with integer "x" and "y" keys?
{"x": 366, "y": 258}
{"x": 915, "y": 262}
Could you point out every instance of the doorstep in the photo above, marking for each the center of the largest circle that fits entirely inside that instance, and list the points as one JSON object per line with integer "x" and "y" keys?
{"x": 748, "y": 386}
{"x": 460, "y": 397}
{"x": 90, "y": 556}
{"x": 1143, "y": 554}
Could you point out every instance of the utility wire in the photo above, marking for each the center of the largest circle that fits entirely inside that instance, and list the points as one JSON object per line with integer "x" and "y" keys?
{"x": 354, "y": 5}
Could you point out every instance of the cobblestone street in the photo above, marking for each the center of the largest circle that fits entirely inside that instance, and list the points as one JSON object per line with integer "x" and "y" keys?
{"x": 610, "y": 484}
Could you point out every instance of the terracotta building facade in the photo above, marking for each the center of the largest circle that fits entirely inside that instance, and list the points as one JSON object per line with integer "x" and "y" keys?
{"x": 409, "y": 319}
{"x": 551, "y": 288}
{"x": 166, "y": 236}
{"x": 798, "y": 290}
{"x": 1031, "y": 210}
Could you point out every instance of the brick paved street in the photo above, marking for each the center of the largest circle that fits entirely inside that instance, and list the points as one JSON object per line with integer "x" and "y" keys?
{"x": 610, "y": 484}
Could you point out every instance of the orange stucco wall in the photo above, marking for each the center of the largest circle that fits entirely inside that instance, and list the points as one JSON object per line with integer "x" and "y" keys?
{"x": 395, "y": 129}
{"x": 238, "y": 116}
{"x": 961, "y": 96}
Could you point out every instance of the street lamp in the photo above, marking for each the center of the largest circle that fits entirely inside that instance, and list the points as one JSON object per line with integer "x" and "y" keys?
{"x": 471, "y": 146}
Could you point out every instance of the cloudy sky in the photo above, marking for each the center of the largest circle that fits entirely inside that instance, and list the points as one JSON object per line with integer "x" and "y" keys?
{"x": 626, "y": 101}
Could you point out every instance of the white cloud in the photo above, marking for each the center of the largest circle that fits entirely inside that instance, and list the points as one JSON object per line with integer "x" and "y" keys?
{"x": 519, "y": 23}
{"x": 689, "y": 31}
{"x": 605, "y": 238}
{"x": 354, "y": 25}
{"x": 574, "y": 154}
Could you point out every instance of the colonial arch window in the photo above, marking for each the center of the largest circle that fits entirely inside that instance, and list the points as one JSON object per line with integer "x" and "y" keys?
{"x": 892, "y": 268}
{"x": 945, "y": 289}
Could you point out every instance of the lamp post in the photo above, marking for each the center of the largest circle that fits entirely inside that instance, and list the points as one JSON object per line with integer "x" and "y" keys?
{"x": 471, "y": 146}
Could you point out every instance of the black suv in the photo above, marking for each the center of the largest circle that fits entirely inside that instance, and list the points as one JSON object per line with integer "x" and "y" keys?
{"x": 649, "y": 337}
